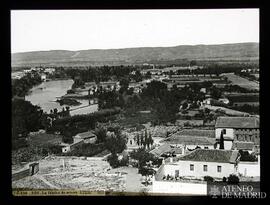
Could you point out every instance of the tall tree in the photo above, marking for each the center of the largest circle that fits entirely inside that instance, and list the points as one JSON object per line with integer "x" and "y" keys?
{"x": 221, "y": 145}
{"x": 25, "y": 118}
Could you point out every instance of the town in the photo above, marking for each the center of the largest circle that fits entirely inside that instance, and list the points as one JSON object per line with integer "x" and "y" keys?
{"x": 155, "y": 129}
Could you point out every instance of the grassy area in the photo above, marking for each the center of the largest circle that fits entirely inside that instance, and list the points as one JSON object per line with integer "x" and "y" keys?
{"x": 44, "y": 139}
{"x": 139, "y": 118}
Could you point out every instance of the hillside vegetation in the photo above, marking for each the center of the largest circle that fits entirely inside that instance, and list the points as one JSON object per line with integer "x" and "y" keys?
{"x": 238, "y": 51}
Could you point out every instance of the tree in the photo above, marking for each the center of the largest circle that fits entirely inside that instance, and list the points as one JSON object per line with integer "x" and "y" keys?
{"x": 113, "y": 160}
{"x": 245, "y": 156}
{"x": 101, "y": 134}
{"x": 124, "y": 83}
{"x": 138, "y": 76}
{"x": 151, "y": 141}
{"x": 116, "y": 143}
{"x": 221, "y": 145}
{"x": 142, "y": 156}
{"x": 25, "y": 118}
{"x": 138, "y": 139}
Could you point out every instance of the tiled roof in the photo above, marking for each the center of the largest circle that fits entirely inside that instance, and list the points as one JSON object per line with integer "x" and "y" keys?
{"x": 243, "y": 145}
{"x": 211, "y": 155}
{"x": 197, "y": 133}
{"x": 190, "y": 140}
{"x": 85, "y": 135}
{"x": 161, "y": 149}
{"x": 237, "y": 122}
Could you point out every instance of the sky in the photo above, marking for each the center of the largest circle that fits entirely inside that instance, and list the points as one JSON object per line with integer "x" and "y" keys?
{"x": 39, "y": 30}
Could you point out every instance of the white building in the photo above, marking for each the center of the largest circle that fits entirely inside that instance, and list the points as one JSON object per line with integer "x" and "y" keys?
{"x": 43, "y": 77}
{"x": 203, "y": 162}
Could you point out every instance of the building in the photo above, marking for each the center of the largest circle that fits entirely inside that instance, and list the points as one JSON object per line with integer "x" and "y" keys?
{"x": 189, "y": 143}
{"x": 43, "y": 77}
{"x": 87, "y": 137}
{"x": 200, "y": 163}
{"x": 166, "y": 149}
{"x": 71, "y": 147}
{"x": 237, "y": 129}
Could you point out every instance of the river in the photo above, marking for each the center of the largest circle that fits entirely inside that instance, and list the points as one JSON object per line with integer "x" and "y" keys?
{"x": 45, "y": 95}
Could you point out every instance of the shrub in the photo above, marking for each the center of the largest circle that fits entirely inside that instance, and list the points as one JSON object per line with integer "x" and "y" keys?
{"x": 19, "y": 143}
{"x": 70, "y": 91}
{"x": 245, "y": 156}
{"x": 224, "y": 179}
{"x": 208, "y": 178}
{"x": 86, "y": 150}
{"x": 113, "y": 160}
{"x": 233, "y": 179}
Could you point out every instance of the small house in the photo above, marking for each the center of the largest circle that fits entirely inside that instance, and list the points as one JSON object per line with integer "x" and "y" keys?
{"x": 87, "y": 137}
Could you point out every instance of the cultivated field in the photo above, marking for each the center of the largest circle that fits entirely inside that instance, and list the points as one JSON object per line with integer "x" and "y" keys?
{"x": 242, "y": 82}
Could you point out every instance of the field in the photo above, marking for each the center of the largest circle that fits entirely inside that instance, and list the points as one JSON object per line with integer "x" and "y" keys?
{"x": 43, "y": 138}
{"x": 242, "y": 82}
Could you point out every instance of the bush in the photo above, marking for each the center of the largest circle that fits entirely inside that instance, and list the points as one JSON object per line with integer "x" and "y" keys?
{"x": 67, "y": 139}
{"x": 113, "y": 161}
{"x": 233, "y": 179}
{"x": 208, "y": 178}
{"x": 53, "y": 149}
{"x": 245, "y": 156}
{"x": 86, "y": 150}
{"x": 70, "y": 91}
{"x": 101, "y": 134}
{"x": 224, "y": 179}
{"x": 19, "y": 143}
{"x": 124, "y": 161}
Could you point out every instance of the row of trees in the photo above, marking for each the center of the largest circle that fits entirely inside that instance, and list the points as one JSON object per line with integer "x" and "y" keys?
{"x": 144, "y": 139}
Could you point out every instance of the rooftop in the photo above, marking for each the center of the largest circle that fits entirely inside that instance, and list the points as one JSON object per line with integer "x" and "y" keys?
{"x": 197, "y": 133}
{"x": 190, "y": 140}
{"x": 85, "y": 135}
{"x": 161, "y": 149}
{"x": 243, "y": 145}
{"x": 237, "y": 122}
{"x": 211, "y": 155}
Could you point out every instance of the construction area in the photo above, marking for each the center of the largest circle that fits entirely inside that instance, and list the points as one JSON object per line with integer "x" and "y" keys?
{"x": 81, "y": 173}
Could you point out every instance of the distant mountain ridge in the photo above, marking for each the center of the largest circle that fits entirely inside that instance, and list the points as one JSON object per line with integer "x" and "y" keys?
{"x": 236, "y": 51}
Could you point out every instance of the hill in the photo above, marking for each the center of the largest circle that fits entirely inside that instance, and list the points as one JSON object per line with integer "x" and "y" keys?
{"x": 238, "y": 51}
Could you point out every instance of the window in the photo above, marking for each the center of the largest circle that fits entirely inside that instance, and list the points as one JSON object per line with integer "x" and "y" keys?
{"x": 192, "y": 167}
{"x": 205, "y": 168}
{"x": 218, "y": 168}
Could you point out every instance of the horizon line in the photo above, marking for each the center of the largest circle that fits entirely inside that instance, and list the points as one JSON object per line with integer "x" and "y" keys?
{"x": 131, "y": 47}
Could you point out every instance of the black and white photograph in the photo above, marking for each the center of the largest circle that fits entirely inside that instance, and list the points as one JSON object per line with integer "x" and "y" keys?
{"x": 153, "y": 102}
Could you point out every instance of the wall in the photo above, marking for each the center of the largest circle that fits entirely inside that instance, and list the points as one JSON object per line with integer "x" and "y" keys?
{"x": 249, "y": 168}
{"x": 20, "y": 175}
{"x": 179, "y": 188}
{"x": 184, "y": 169}
{"x": 229, "y": 133}
{"x": 25, "y": 172}
{"x": 66, "y": 149}
{"x": 227, "y": 145}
